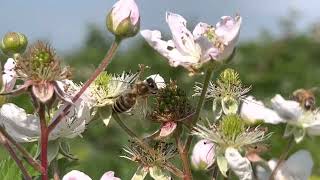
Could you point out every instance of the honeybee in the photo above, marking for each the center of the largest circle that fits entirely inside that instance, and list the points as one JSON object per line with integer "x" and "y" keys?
{"x": 138, "y": 90}
{"x": 306, "y": 98}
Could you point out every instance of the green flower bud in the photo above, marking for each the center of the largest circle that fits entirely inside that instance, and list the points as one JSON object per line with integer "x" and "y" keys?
{"x": 13, "y": 43}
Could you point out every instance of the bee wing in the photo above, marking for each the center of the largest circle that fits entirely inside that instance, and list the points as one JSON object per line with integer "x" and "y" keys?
{"x": 119, "y": 85}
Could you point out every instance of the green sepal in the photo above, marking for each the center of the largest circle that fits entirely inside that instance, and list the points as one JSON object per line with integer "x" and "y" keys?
{"x": 140, "y": 173}
{"x": 222, "y": 164}
{"x": 157, "y": 174}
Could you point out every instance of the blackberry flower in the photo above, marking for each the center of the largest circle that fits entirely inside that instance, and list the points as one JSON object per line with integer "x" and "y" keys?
{"x": 172, "y": 106}
{"x": 40, "y": 70}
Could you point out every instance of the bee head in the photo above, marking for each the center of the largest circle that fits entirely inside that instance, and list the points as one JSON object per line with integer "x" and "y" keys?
{"x": 152, "y": 85}
{"x": 306, "y": 98}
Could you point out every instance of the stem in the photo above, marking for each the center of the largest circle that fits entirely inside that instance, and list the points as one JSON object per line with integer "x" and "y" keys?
{"x": 35, "y": 164}
{"x": 44, "y": 141}
{"x": 14, "y": 156}
{"x": 124, "y": 127}
{"x": 199, "y": 105}
{"x": 283, "y": 156}
{"x": 184, "y": 157}
{"x": 101, "y": 68}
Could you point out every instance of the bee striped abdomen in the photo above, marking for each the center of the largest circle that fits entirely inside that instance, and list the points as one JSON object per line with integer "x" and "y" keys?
{"x": 124, "y": 103}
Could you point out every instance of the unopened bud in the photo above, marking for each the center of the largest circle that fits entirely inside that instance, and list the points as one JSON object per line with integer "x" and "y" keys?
{"x": 203, "y": 155}
{"x": 13, "y": 43}
{"x": 124, "y": 20}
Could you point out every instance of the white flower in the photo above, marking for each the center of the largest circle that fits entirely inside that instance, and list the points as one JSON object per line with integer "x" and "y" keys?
{"x": 9, "y": 75}
{"x": 297, "y": 167}
{"x": 76, "y": 175}
{"x": 25, "y": 127}
{"x": 191, "y": 50}
{"x": 239, "y": 165}
{"x": 299, "y": 121}
{"x": 203, "y": 154}
{"x": 124, "y": 18}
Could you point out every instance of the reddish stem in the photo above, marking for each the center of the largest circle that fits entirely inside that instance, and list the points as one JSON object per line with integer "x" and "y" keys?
{"x": 44, "y": 142}
{"x": 101, "y": 68}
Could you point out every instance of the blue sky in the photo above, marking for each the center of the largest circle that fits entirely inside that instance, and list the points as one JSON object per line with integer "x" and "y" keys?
{"x": 64, "y": 22}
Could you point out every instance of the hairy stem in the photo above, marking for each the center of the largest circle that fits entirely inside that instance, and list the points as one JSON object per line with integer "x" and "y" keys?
{"x": 34, "y": 163}
{"x": 4, "y": 141}
{"x": 55, "y": 170}
{"x": 199, "y": 105}
{"x": 184, "y": 157}
{"x": 44, "y": 141}
{"x": 283, "y": 156}
{"x": 96, "y": 73}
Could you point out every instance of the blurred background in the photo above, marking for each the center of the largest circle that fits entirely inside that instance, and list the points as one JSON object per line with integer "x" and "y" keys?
{"x": 279, "y": 52}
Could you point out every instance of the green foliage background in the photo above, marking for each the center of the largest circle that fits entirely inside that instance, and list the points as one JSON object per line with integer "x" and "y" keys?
{"x": 270, "y": 65}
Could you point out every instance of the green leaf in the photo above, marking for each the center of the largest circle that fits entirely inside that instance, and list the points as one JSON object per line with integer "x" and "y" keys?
{"x": 9, "y": 169}
{"x": 222, "y": 164}
{"x": 140, "y": 173}
{"x": 157, "y": 174}
{"x": 53, "y": 150}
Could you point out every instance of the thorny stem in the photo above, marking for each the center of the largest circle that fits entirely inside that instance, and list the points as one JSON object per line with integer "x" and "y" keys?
{"x": 96, "y": 73}
{"x": 34, "y": 163}
{"x": 5, "y": 143}
{"x": 170, "y": 167}
{"x": 184, "y": 157}
{"x": 44, "y": 141}
{"x": 283, "y": 156}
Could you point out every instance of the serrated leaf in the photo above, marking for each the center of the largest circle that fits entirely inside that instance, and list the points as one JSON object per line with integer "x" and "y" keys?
{"x": 64, "y": 149}
{"x": 140, "y": 173}
{"x": 222, "y": 164}
{"x": 157, "y": 174}
{"x": 9, "y": 169}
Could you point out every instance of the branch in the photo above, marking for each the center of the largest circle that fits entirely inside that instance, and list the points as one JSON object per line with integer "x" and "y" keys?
{"x": 35, "y": 164}
{"x": 44, "y": 141}
{"x": 101, "y": 68}
{"x": 199, "y": 106}
{"x": 14, "y": 156}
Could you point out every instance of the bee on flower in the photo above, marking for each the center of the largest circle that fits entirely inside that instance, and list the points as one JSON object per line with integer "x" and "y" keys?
{"x": 230, "y": 137}
{"x": 300, "y": 116}
{"x": 226, "y": 93}
{"x": 205, "y": 44}
{"x": 122, "y": 93}
{"x": 153, "y": 160}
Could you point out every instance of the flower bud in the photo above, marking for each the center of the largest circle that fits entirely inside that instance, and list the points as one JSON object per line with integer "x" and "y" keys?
{"x": 203, "y": 155}
{"x": 13, "y": 43}
{"x": 124, "y": 20}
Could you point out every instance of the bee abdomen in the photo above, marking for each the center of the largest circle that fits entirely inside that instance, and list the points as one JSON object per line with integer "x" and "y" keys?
{"x": 124, "y": 103}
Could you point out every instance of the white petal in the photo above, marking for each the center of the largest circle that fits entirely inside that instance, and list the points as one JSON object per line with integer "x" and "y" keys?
{"x": 228, "y": 29}
{"x": 289, "y": 110}
{"x": 240, "y": 166}
{"x": 168, "y": 49}
{"x": 158, "y": 80}
{"x": 253, "y": 110}
{"x": 21, "y": 126}
{"x": 76, "y": 175}
{"x": 299, "y": 165}
{"x": 182, "y": 37}
{"x": 74, "y": 123}
{"x": 203, "y": 154}
{"x": 8, "y": 82}
{"x": 9, "y": 66}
